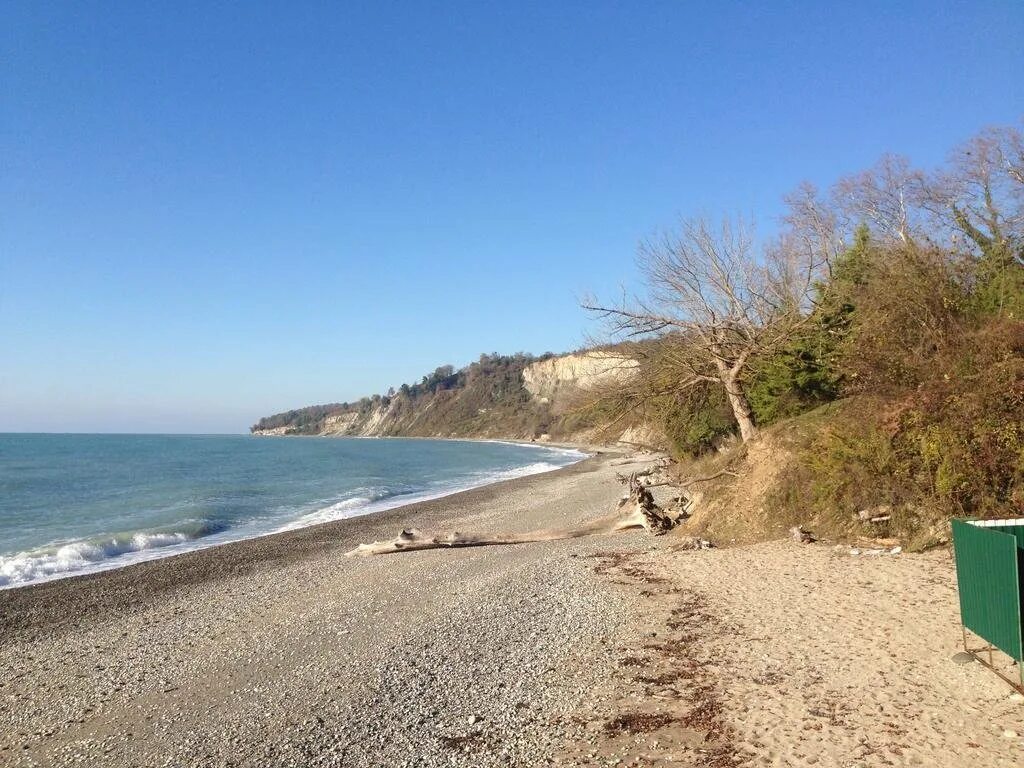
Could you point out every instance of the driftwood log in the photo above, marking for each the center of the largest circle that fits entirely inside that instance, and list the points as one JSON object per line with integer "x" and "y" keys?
{"x": 801, "y": 535}
{"x": 637, "y": 510}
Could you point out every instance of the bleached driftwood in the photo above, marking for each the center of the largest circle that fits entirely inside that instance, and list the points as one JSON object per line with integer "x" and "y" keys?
{"x": 801, "y": 535}
{"x": 637, "y": 510}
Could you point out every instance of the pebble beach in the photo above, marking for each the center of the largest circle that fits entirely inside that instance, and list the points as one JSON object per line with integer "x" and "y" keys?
{"x": 280, "y": 651}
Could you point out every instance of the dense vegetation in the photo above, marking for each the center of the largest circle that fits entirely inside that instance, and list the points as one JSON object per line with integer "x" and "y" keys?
{"x": 905, "y": 353}
{"x": 301, "y": 420}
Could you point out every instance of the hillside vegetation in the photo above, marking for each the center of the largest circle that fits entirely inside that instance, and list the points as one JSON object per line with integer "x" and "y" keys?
{"x": 872, "y": 354}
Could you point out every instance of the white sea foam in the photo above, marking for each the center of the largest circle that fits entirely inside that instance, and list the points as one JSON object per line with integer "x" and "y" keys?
{"x": 81, "y": 556}
{"x": 555, "y": 449}
{"x": 337, "y": 511}
{"x": 530, "y": 469}
{"x": 360, "y": 505}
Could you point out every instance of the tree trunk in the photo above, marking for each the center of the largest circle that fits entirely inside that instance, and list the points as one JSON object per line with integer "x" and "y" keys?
{"x": 741, "y": 409}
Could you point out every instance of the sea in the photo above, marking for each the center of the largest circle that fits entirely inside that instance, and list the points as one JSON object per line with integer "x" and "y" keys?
{"x": 73, "y": 504}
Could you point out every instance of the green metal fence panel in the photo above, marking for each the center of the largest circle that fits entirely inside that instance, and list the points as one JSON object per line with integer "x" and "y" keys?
{"x": 1018, "y": 533}
{"x": 1016, "y": 530}
{"x": 989, "y": 564}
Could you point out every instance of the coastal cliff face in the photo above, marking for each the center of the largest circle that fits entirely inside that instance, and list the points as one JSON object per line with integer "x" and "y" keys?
{"x": 568, "y": 375}
{"x": 516, "y": 397}
{"x": 374, "y": 422}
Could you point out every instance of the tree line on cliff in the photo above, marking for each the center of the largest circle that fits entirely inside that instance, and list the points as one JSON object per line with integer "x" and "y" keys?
{"x": 484, "y": 399}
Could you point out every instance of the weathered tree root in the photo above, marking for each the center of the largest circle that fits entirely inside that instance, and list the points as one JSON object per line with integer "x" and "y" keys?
{"x": 638, "y": 510}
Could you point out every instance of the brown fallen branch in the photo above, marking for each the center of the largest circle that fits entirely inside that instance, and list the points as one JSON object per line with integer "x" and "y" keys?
{"x": 641, "y": 446}
{"x": 638, "y": 510}
{"x": 704, "y": 479}
{"x": 693, "y": 481}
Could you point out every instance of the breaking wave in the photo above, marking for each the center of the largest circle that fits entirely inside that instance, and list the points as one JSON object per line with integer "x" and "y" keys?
{"x": 383, "y": 499}
{"x": 86, "y": 555}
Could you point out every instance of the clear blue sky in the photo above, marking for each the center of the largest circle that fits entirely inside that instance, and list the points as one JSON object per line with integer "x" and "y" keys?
{"x": 215, "y": 211}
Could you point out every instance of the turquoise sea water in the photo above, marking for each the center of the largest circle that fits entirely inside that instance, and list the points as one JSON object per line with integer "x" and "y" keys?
{"x": 71, "y": 504}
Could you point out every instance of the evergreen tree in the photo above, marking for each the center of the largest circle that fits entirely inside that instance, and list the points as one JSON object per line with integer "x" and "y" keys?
{"x": 805, "y": 373}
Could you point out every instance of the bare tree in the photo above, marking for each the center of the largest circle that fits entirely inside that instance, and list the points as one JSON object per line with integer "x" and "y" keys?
{"x": 976, "y": 200}
{"x": 725, "y": 300}
{"x": 815, "y": 225}
{"x": 888, "y": 197}
{"x": 980, "y": 194}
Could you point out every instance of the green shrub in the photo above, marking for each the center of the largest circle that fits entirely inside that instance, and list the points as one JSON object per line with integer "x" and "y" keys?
{"x": 695, "y": 420}
{"x": 952, "y": 446}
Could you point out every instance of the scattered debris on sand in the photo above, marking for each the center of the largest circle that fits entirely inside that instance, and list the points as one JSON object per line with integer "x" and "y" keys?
{"x": 637, "y": 509}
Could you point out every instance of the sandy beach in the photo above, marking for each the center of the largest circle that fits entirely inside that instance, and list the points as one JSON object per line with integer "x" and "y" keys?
{"x": 611, "y": 650}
